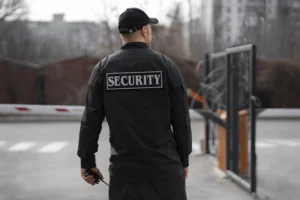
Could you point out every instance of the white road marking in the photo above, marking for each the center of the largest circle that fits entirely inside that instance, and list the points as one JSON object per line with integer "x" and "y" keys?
{"x": 22, "y": 146}
{"x": 53, "y": 147}
{"x": 286, "y": 143}
{"x": 271, "y": 143}
{"x": 265, "y": 145}
{"x": 2, "y": 143}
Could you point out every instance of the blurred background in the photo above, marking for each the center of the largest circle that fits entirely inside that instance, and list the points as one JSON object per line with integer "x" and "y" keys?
{"x": 48, "y": 48}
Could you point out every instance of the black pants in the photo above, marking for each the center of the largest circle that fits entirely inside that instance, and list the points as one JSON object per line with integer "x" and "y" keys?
{"x": 162, "y": 190}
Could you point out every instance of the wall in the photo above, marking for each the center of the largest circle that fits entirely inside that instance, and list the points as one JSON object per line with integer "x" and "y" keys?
{"x": 66, "y": 81}
{"x": 18, "y": 82}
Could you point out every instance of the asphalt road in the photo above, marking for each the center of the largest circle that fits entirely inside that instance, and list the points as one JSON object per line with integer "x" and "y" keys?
{"x": 38, "y": 160}
{"x": 278, "y": 157}
{"x": 278, "y": 151}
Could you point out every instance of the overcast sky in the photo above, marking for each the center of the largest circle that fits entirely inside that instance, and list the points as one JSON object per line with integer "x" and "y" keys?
{"x": 94, "y": 9}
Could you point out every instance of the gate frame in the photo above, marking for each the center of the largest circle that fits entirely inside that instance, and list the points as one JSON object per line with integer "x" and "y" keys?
{"x": 232, "y": 157}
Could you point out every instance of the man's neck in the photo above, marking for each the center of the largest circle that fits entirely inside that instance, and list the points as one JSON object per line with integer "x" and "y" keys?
{"x": 136, "y": 40}
{"x": 134, "y": 45}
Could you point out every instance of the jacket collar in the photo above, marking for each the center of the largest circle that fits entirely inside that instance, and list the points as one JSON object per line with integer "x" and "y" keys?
{"x": 134, "y": 45}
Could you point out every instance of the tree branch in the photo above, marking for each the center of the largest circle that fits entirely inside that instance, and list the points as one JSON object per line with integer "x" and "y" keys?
{"x": 10, "y": 8}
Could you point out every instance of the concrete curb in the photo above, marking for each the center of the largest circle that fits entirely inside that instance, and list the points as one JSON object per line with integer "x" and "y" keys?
{"x": 30, "y": 117}
{"x": 273, "y": 114}
{"x": 38, "y": 118}
{"x": 45, "y": 119}
{"x": 74, "y": 114}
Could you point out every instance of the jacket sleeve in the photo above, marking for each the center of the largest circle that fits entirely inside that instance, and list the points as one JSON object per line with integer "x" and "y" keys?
{"x": 180, "y": 117}
{"x": 92, "y": 119}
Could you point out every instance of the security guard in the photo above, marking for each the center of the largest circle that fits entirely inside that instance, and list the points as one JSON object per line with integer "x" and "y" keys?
{"x": 142, "y": 95}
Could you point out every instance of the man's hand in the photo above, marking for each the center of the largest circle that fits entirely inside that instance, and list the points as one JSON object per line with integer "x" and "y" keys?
{"x": 90, "y": 179}
{"x": 185, "y": 172}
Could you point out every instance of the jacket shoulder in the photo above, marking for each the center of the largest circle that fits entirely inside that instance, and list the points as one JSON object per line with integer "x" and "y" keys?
{"x": 97, "y": 73}
{"x": 116, "y": 53}
{"x": 167, "y": 61}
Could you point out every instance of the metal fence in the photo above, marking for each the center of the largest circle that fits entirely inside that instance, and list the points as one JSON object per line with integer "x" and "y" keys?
{"x": 229, "y": 86}
{"x": 214, "y": 92}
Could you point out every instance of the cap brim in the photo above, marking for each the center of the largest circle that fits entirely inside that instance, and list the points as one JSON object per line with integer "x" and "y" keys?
{"x": 153, "y": 21}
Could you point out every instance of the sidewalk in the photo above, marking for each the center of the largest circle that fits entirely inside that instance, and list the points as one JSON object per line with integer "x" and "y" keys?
{"x": 205, "y": 182}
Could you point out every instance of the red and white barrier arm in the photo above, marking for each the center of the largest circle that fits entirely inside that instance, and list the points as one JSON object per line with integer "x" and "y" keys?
{"x": 50, "y": 110}
{"x": 23, "y": 109}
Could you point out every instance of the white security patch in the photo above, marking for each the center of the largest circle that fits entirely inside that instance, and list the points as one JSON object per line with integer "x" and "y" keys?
{"x": 134, "y": 80}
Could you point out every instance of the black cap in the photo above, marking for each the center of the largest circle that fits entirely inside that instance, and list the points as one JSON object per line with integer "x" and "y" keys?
{"x": 133, "y": 19}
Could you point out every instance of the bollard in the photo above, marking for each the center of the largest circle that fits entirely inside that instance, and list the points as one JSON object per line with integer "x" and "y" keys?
{"x": 243, "y": 143}
{"x": 222, "y": 142}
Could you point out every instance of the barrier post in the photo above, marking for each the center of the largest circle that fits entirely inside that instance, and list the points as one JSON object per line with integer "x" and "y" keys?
{"x": 243, "y": 143}
{"x": 222, "y": 143}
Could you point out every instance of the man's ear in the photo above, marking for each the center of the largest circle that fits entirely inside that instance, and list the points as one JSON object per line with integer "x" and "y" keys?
{"x": 144, "y": 31}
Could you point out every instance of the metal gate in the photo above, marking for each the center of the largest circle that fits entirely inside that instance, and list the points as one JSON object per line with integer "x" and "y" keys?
{"x": 229, "y": 86}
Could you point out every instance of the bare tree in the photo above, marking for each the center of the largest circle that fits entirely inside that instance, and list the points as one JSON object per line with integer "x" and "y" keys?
{"x": 142, "y": 4}
{"x": 15, "y": 40}
{"x": 14, "y": 35}
{"x": 172, "y": 34}
{"x": 110, "y": 38}
{"x": 175, "y": 33}
{"x": 199, "y": 44}
{"x": 12, "y": 9}
{"x": 108, "y": 43}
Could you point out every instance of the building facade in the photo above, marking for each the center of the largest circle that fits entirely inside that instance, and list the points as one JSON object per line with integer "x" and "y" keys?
{"x": 271, "y": 24}
{"x": 71, "y": 38}
{"x": 45, "y": 41}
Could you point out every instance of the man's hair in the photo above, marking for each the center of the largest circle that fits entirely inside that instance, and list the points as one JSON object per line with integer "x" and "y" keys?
{"x": 131, "y": 36}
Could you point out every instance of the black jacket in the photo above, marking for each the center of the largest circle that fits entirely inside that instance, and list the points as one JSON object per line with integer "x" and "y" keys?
{"x": 143, "y": 97}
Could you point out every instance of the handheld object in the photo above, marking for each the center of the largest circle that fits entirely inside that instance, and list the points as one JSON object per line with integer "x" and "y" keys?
{"x": 95, "y": 175}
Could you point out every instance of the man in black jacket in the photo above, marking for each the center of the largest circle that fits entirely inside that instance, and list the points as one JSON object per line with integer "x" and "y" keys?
{"x": 143, "y": 97}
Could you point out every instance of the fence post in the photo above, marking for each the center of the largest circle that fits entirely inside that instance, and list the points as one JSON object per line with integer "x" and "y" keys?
{"x": 228, "y": 118}
{"x": 207, "y": 127}
{"x": 253, "y": 183}
{"x": 234, "y": 91}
